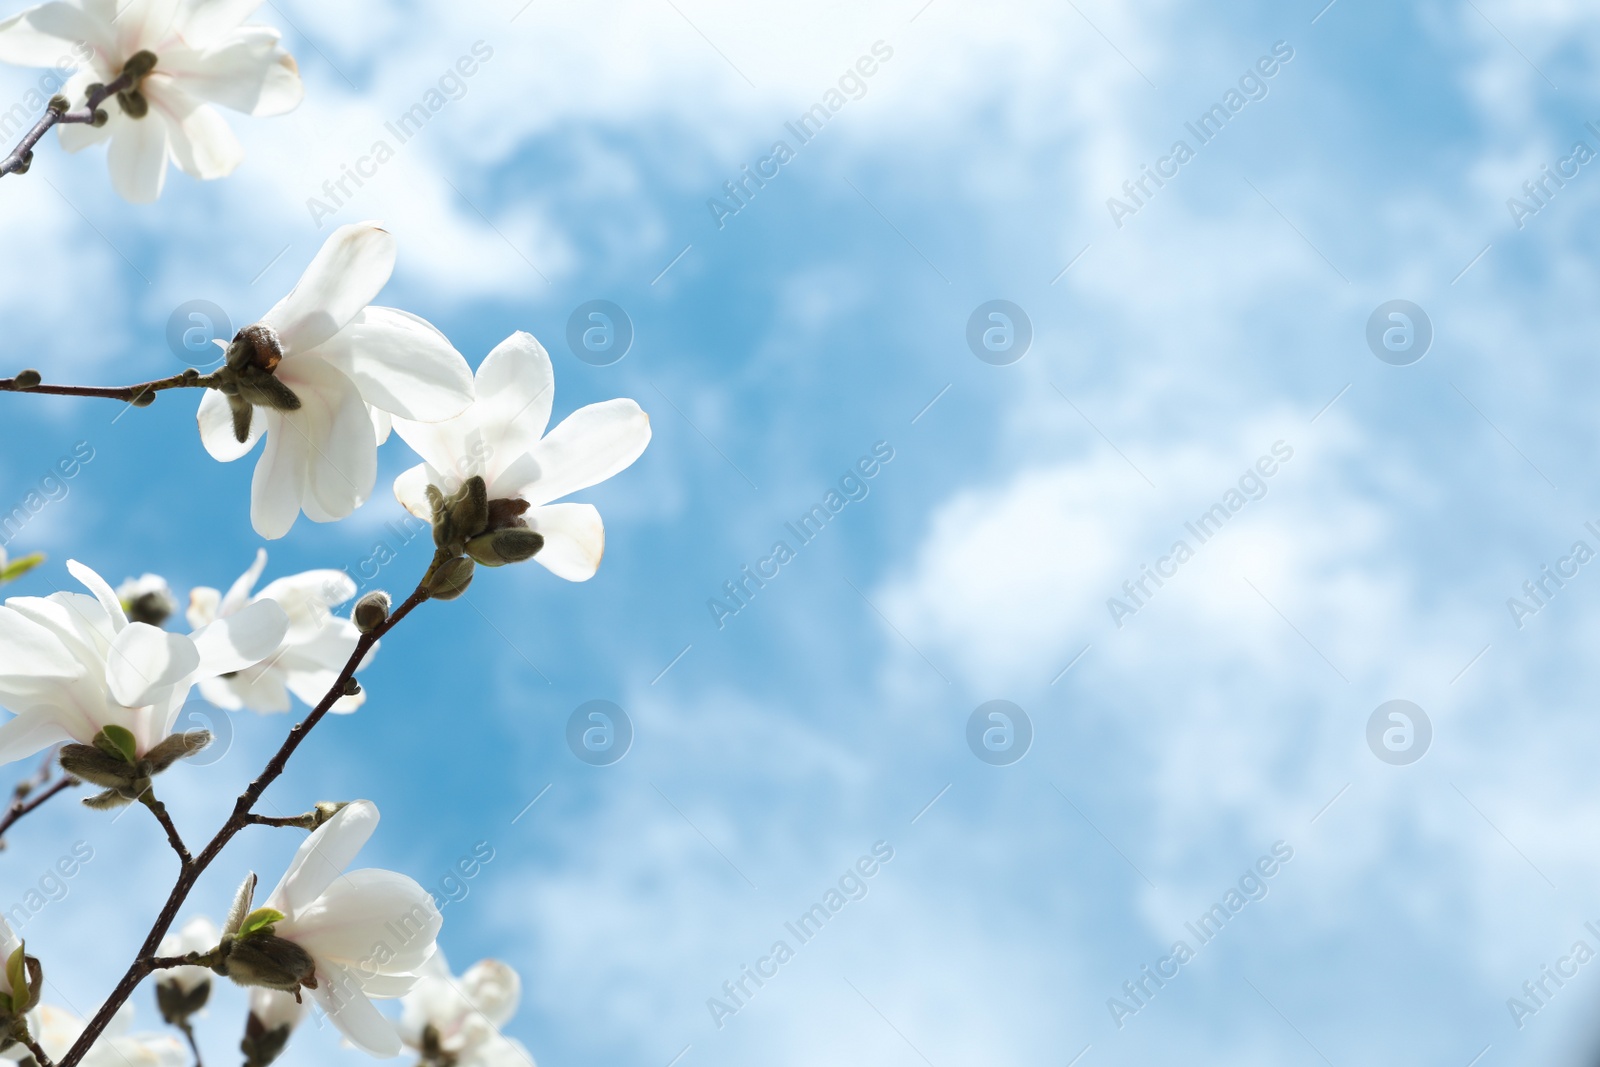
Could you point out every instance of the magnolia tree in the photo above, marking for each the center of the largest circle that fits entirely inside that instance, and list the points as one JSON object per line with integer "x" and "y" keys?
{"x": 98, "y": 678}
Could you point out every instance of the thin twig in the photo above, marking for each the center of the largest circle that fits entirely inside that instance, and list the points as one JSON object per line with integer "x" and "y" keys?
{"x": 190, "y": 873}
{"x": 188, "y": 1031}
{"x": 21, "y": 805}
{"x": 128, "y": 394}
{"x": 22, "y": 155}
{"x": 38, "y": 1053}
{"x": 148, "y": 799}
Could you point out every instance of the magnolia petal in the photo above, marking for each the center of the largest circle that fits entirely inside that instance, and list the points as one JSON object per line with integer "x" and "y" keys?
{"x": 382, "y": 424}
{"x": 307, "y": 598}
{"x": 102, "y": 591}
{"x": 29, "y": 650}
{"x": 248, "y": 71}
{"x": 411, "y": 489}
{"x": 144, "y": 24}
{"x": 402, "y": 364}
{"x": 260, "y": 688}
{"x": 138, "y": 159}
{"x": 242, "y": 639}
{"x": 362, "y": 910}
{"x": 239, "y": 592}
{"x": 516, "y": 386}
{"x": 27, "y": 734}
{"x": 345, "y": 275}
{"x": 493, "y": 988}
{"x": 280, "y": 478}
{"x": 216, "y": 428}
{"x": 144, "y": 660}
{"x": 349, "y": 1009}
{"x": 323, "y": 856}
{"x": 206, "y": 22}
{"x": 202, "y": 143}
{"x": 574, "y": 539}
{"x": 47, "y": 35}
{"x": 589, "y": 446}
{"x": 342, "y": 461}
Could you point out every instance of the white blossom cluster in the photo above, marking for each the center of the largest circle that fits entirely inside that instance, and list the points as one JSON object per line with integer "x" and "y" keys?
{"x": 320, "y": 382}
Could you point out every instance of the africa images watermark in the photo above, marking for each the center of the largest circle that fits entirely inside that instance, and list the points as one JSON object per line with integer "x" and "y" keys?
{"x": 742, "y": 189}
{"x": 451, "y": 86}
{"x": 852, "y": 487}
{"x": 1252, "y": 486}
{"x": 1539, "y": 591}
{"x": 1205, "y": 128}
{"x": 1537, "y": 192}
{"x": 851, "y": 886}
{"x": 52, "y": 487}
{"x": 1250, "y": 887}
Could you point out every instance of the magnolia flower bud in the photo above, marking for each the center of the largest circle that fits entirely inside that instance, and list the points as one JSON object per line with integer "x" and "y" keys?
{"x": 178, "y": 1003}
{"x": 59, "y": 104}
{"x": 469, "y": 508}
{"x": 134, "y": 104}
{"x": 450, "y": 579}
{"x": 27, "y": 379}
{"x": 139, "y": 64}
{"x": 258, "y": 345}
{"x": 511, "y": 545}
{"x": 264, "y": 1039}
{"x": 371, "y": 611}
{"x": 147, "y": 599}
{"x": 264, "y": 959}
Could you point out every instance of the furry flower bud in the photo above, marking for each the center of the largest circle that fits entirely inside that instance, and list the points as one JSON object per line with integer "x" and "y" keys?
{"x": 451, "y": 578}
{"x": 27, "y": 379}
{"x": 371, "y": 611}
{"x": 511, "y": 545}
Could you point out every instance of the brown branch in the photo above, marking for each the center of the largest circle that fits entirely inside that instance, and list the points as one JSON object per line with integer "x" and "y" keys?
{"x": 190, "y": 872}
{"x": 58, "y": 113}
{"x": 141, "y": 394}
{"x": 21, "y": 805}
{"x": 38, "y": 1053}
{"x": 148, "y": 799}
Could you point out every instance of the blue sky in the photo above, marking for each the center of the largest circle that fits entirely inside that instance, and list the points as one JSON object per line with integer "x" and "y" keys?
{"x": 1228, "y": 714}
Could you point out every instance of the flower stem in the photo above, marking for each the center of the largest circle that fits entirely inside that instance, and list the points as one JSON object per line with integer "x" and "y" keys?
{"x": 39, "y": 1056}
{"x": 21, "y": 805}
{"x": 159, "y": 810}
{"x": 22, "y": 155}
{"x": 129, "y": 394}
{"x": 146, "y": 960}
{"x": 194, "y": 1046}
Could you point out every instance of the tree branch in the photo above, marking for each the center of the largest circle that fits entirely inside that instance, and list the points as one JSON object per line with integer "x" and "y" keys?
{"x": 189, "y": 874}
{"x": 194, "y": 1046}
{"x": 159, "y": 810}
{"x": 21, "y": 157}
{"x": 141, "y": 394}
{"x": 21, "y": 805}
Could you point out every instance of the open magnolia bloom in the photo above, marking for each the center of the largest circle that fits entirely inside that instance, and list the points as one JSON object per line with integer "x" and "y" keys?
{"x": 501, "y": 439}
{"x": 315, "y": 648}
{"x": 320, "y": 376}
{"x": 347, "y": 936}
{"x": 182, "y": 56}
{"x": 72, "y": 667}
{"x": 458, "y": 1020}
{"x": 56, "y": 1030}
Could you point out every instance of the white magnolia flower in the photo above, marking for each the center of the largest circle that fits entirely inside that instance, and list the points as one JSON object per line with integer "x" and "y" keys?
{"x": 71, "y": 665}
{"x": 501, "y": 437}
{"x": 203, "y": 56}
{"x": 147, "y": 598}
{"x": 199, "y": 934}
{"x": 56, "y": 1030}
{"x": 368, "y": 932}
{"x": 315, "y": 649}
{"x": 275, "y": 1009}
{"x": 350, "y": 367}
{"x": 465, "y": 1014}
